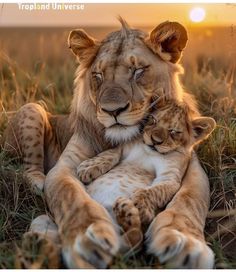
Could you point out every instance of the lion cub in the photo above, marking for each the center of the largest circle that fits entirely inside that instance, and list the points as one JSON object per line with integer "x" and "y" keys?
{"x": 134, "y": 180}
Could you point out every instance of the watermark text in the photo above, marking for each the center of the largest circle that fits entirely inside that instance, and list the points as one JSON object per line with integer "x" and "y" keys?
{"x": 50, "y": 6}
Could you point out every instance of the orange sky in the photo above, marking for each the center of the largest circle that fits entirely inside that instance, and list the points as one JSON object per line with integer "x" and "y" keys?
{"x": 105, "y": 15}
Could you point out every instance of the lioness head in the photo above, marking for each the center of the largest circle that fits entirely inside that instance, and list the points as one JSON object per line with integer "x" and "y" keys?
{"x": 169, "y": 128}
{"x": 119, "y": 76}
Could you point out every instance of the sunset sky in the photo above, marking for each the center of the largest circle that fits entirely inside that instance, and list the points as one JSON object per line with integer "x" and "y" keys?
{"x": 105, "y": 15}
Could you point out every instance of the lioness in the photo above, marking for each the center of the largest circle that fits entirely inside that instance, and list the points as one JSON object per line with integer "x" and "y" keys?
{"x": 115, "y": 84}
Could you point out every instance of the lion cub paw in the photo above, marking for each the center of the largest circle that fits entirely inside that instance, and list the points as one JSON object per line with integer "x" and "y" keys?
{"x": 127, "y": 216}
{"x": 142, "y": 201}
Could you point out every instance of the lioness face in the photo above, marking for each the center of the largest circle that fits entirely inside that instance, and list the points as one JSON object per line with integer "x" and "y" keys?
{"x": 123, "y": 81}
{"x": 124, "y": 71}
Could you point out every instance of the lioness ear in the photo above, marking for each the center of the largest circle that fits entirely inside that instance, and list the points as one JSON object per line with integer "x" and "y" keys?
{"x": 82, "y": 45}
{"x": 168, "y": 40}
{"x": 202, "y": 128}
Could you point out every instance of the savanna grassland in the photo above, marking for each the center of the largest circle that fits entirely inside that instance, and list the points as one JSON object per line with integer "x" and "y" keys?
{"x": 36, "y": 65}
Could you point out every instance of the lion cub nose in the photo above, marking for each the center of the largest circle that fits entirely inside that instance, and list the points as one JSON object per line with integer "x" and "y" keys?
{"x": 117, "y": 111}
{"x": 157, "y": 137}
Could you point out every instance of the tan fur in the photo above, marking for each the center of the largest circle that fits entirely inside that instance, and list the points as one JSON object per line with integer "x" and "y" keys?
{"x": 108, "y": 69}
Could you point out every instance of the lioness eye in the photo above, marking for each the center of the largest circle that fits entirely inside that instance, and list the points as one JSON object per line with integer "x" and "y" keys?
{"x": 138, "y": 73}
{"x": 98, "y": 77}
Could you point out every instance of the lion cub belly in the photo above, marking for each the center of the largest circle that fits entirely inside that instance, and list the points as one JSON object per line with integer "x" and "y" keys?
{"x": 132, "y": 173}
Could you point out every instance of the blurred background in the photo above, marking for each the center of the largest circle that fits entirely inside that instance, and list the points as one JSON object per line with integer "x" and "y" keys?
{"x": 35, "y": 41}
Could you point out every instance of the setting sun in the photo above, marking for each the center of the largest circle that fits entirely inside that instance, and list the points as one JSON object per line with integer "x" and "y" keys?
{"x": 197, "y": 15}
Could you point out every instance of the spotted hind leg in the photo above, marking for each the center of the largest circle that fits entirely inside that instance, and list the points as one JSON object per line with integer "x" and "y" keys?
{"x": 25, "y": 137}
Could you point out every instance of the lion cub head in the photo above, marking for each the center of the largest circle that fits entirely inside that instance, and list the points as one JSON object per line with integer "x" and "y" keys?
{"x": 169, "y": 128}
{"x": 118, "y": 76}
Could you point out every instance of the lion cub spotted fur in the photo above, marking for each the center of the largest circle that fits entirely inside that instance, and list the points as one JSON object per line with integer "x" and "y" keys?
{"x": 153, "y": 166}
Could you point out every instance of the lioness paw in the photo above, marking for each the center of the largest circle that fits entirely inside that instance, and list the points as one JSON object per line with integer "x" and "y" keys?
{"x": 179, "y": 250}
{"x": 103, "y": 236}
{"x": 167, "y": 244}
{"x": 95, "y": 248}
{"x": 38, "y": 251}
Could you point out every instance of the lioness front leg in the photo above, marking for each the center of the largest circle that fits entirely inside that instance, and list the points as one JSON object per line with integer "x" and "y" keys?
{"x": 93, "y": 168}
{"x": 88, "y": 236}
{"x": 176, "y": 236}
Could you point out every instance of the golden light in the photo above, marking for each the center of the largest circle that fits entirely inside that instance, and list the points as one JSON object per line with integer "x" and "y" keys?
{"x": 197, "y": 15}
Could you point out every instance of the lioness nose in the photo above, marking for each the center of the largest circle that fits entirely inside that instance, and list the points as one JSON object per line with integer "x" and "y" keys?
{"x": 116, "y": 112}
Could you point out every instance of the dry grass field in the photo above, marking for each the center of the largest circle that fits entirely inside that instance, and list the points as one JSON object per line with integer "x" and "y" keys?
{"x": 36, "y": 65}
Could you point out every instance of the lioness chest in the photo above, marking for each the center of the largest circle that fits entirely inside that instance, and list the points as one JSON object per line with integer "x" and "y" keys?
{"x": 137, "y": 169}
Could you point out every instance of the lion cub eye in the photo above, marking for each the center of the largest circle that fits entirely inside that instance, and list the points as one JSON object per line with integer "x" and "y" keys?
{"x": 151, "y": 121}
{"x": 174, "y": 133}
{"x": 98, "y": 77}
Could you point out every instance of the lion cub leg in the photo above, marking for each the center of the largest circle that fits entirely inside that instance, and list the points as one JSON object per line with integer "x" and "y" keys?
{"x": 127, "y": 216}
{"x": 25, "y": 138}
{"x": 150, "y": 201}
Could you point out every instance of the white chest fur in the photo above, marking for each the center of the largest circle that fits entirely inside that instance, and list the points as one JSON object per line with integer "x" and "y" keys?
{"x": 137, "y": 169}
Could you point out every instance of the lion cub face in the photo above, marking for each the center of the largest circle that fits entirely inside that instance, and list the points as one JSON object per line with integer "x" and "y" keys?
{"x": 169, "y": 129}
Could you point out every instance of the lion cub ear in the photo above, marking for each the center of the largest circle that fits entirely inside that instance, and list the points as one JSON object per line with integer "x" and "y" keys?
{"x": 168, "y": 40}
{"x": 202, "y": 128}
{"x": 82, "y": 45}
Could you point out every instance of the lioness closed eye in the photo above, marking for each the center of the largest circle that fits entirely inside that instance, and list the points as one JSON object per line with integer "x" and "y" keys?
{"x": 148, "y": 170}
